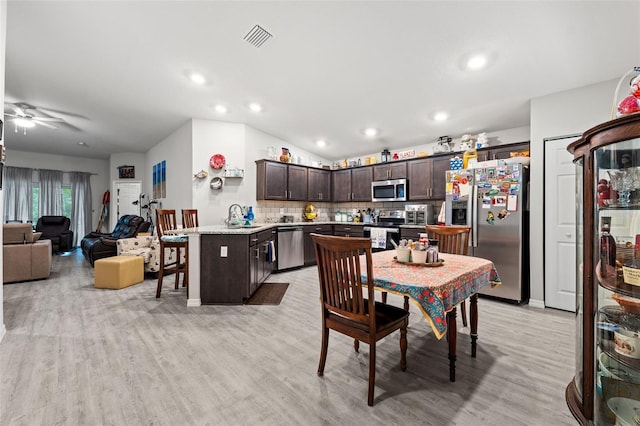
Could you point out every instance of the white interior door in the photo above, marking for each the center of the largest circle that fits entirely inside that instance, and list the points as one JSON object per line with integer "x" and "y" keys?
{"x": 124, "y": 194}
{"x": 559, "y": 225}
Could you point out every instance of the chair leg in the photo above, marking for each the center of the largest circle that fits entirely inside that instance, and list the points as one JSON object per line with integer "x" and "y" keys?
{"x": 372, "y": 371}
{"x": 356, "y": 345}
{"x": 323, "y": 352}
{"x": 177, "y": 267}
{"x": 384, "y": 297}
{"x": 185, "y": 277}
{"x": 463, "y": 312}
{"x": 160, "y": 273}
{"x": 403, "y": 348}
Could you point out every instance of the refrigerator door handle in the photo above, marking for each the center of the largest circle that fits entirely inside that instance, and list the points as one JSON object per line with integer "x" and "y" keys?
{"x": 474, "y": 216}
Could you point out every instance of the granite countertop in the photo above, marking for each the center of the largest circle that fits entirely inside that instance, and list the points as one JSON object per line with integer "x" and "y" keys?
{"x": 257, "y": 227}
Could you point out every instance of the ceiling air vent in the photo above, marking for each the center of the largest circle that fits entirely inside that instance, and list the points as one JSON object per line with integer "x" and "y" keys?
{"x": 257, "y": 36}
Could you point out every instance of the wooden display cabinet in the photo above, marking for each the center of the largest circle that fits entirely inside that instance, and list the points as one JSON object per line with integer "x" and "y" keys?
{"x": 606, "y": 367}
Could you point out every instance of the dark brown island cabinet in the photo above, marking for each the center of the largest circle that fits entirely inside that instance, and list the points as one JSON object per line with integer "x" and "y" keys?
{"x": 232, "y": 266}
{"x": 606, "y": 387}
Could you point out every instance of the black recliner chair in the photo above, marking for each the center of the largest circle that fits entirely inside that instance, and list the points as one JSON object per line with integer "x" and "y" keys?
{"x": 97, "y": 245}
{"x": 56, "y": 229}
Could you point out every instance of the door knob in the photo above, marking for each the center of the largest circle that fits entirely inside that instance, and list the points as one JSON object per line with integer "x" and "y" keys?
{"x": 568, "y": 234}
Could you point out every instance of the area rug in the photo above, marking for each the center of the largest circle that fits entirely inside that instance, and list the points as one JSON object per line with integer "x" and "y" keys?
{"x": 268, "y": 294}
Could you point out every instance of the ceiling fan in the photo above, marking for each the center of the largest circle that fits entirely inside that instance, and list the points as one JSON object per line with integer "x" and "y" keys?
{"x": 24, "y": 117}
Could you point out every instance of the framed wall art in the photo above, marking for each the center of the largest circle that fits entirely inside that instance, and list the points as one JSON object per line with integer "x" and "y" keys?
{"x": 126, "y": 172}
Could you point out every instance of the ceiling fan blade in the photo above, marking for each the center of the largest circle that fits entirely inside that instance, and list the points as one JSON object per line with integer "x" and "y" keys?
{"x": 50, "y": 119}
{"x": 19, "y": 111}
{"x": 42, "y": 123}
{"x": 12, "y": 115}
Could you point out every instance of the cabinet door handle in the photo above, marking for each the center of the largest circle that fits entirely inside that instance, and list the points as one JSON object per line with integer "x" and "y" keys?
{"x": 253, "y": 240}
{"x": 257, "y": 253}
{"x": 285, "y": 193}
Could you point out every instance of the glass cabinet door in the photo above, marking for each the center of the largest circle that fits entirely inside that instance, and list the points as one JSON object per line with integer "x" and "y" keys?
{"x": 616, "y": 252}
{"x": 578, "y": 378}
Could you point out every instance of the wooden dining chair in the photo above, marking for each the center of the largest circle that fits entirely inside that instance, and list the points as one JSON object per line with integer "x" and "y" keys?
{"x": 190, "y": 218}
{"x": 346, "y": 309}
{"x": 166, "y": 221}
{"x": 453, "y": 240}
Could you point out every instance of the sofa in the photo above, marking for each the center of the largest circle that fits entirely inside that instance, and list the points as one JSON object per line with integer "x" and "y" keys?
{"x": 24, "y": 256}
{"x": 147, "y": 247}
{"x": 56, "y": 229}
{"x": 98, "y": 245}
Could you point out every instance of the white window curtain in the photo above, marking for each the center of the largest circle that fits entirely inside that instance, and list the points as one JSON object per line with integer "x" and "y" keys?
{"x": 50, "y": 193}
{"x": 18, "y": 194}
{"x": 81, "y": 207}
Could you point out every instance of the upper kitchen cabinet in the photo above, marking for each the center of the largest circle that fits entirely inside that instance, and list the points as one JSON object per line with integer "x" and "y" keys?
{"x": 501, "y": 152}
{"x": 390, "y": 171}
{"x": 426, "y": 178}
{"x": 318, "y": 185}
{"x": 352, "y": 184}
{"x": 280, "y": 181}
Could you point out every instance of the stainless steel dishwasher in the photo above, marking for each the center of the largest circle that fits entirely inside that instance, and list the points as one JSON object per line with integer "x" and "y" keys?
{"x": 290, "y": 252}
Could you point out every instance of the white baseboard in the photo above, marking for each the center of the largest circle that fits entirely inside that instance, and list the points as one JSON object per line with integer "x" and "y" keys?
{"x": 536, "y": 303}
{"x": 193, "y": 303}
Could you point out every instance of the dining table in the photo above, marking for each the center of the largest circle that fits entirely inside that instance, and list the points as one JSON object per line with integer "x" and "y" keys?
{"x": 437, "y": 289}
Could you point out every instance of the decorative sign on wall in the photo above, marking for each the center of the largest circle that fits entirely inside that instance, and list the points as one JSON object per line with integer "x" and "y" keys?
{"x": 160, "y": 180}
{"x": 126, "y": 172}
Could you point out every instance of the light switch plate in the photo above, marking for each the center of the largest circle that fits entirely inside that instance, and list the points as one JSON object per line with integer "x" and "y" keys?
{"x": 223, "y": 251}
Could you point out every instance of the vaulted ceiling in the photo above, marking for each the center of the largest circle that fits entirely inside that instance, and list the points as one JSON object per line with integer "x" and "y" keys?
{"x": 117, "y": 72}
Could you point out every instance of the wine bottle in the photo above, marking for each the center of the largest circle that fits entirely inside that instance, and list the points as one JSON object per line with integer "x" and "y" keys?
{"x": 607, "y": 246}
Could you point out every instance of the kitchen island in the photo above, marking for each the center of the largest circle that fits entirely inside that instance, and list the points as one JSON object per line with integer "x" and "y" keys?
{"x": 226, "y": 265}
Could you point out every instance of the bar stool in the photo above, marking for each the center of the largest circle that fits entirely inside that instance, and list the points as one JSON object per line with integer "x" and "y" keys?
{"x": 166, "y": 221}
{"x": 190, "y": 218}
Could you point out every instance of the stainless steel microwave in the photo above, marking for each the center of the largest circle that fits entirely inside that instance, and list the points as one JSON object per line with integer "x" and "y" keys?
{"x": 389, "y": 190}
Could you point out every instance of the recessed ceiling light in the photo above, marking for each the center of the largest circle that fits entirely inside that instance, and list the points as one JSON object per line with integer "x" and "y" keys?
{"x": 197, "y": 78}
{"x": 321, "y": 143}
{"x": 371, "y": 132}
{"x": 255, "y": 107}
{"x": 24, "y": 122}
{"x": 476, "y": 62}
{"x": 440, "y": 116}
{"x": 221, "y": 109}
{"x": 82, "y": 143}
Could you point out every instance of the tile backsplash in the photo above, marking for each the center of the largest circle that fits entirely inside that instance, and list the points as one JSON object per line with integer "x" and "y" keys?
{"x": 272, "y": 211}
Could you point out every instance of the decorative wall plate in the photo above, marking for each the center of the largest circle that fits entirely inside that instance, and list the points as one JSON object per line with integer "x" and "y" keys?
{"x": 216, "y": 161}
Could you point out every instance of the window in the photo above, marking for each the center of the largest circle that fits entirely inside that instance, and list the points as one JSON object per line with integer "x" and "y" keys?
{"x": 66, "y": 201}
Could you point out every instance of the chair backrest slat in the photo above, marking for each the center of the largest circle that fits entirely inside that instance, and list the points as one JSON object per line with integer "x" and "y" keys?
{"x": 451, "y": 239}
{"x": 190, "y": 218}
{"x": 340, "y": 275}
{"x": 165, "y": 221}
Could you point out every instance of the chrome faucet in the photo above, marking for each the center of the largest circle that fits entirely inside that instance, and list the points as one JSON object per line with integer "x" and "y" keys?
{"x": 234, "y": 217}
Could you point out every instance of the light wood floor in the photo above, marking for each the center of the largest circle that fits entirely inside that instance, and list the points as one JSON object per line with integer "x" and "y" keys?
{"x": 75, "y": 355}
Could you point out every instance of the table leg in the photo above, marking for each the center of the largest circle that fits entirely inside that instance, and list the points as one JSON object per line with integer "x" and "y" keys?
{"x": 451, "y": 337}
{"x": 474, "y": 323}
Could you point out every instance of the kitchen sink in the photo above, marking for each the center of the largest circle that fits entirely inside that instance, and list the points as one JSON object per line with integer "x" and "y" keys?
{"x": 244, "y": 226}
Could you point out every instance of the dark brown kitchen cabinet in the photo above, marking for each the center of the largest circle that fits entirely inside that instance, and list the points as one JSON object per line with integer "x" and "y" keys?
{"x": 352, "y": 184}
{"x": 389, "y": 171}
{"x": 348, "y": 230}
{"x": 280, "y": 181}
{"x": 318, "y": 185}
{"x": 500, "y": 152}
{"x": 309, "y": 251}
{"x": 426, "y": 178}
{"x": 232, "y": 266}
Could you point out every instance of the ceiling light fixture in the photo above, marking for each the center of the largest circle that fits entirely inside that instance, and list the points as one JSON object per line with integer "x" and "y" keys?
{"x": 255, "y": 107}
{"x": 197, "y": 78}
{"x": 441, "y": 116}
{"x": 321, "y": 143}
{"x": 477, "y": 62}
{"x": 24, "y": 122}
{"x": 221, "y": 109}
{"x": 81, "y": 143}
{"x": 371, "y": 132}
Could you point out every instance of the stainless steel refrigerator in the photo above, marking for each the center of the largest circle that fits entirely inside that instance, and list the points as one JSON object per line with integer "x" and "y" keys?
{"x": 493, "y": 201}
